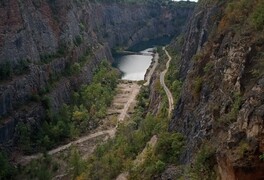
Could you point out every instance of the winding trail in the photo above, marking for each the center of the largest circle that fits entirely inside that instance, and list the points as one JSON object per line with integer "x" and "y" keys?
{"x": 162, "y": 82}
{"x": 125, "y": 99}
{"x": 154, "y": 139}
{"x": 130, "y": 89}
{"x": 26, "y": 159}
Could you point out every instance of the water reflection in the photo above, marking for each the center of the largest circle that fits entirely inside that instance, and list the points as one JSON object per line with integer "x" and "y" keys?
{"x": 134, "y": 67}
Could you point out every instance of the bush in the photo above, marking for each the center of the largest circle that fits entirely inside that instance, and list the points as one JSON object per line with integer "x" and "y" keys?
{"x": 231, "y": 116}
{"x": 35, "y": 97}
{"x": 5, "y": 70}
{"x": 75, "y": 68}
{"x": 202, "y": 167}
{"x": 258, "y": 16}
{"x": 208, "y": 67}
{"x": 78, "y": 40}
{"x": 169, "y": 147}
{"x": 243, "y": 148}
{"x": 46, "y": 102}
{"x": 198, "y": 82}
{"x": 160, "y": 166}
{"x": 77, "y": 165}
{"x": 39, "y": 169}
{"x": 22, "y": 67}
{"x": 261, "y": 157}
{"x": 6, "y": 169}
{"x": 24, "y": 141}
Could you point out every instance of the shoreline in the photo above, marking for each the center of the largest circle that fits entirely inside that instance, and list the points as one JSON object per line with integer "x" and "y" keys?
{"x": 151, "y": 69}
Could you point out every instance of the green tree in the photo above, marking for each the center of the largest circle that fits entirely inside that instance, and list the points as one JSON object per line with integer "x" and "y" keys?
{"x": 77, "y": 165}
{"x": 6, "y": 170}
{"x": 24, "y": 141}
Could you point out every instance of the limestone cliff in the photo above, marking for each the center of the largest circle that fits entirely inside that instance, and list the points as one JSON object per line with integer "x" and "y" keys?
{"x": 40, "y": 41}
{"x": 221, "y": 103}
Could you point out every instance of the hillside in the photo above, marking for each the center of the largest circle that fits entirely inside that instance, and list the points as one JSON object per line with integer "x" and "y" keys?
{"x": 48, "y": 49}
{"x": 66, "y": 114}
{"x": 220, "y": 109}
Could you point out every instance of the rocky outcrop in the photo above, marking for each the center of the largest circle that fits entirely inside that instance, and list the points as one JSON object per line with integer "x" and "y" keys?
{"x": 40, "y": 40}
{"x": 221, "y": 103}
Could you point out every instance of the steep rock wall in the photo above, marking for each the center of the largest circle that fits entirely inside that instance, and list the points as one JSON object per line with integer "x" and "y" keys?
{"x": 40, "y": 40}
{"x": 221, "y": 103}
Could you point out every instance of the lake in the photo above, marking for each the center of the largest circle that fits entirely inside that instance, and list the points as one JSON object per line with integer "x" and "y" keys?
{"x": 134, "y": 66}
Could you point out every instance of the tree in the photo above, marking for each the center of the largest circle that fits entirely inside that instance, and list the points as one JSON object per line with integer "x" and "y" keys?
{"x": 77, "y": 165}
{"x": 5, "y": 168}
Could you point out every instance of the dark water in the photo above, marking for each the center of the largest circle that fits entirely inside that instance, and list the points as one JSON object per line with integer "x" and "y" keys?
{"x": 134, "y": 67}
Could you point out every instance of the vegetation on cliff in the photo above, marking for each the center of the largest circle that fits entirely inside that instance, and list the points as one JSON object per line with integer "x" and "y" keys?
{"x": 88, "y": 107}
{"x": 217, "y": 113}
{"x": 222, "y": 92}
{"x": 119, "y": 155}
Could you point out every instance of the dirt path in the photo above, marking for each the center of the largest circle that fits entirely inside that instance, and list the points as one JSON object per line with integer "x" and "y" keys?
{"x": 153, "y": 141}
{"x": 122, "y": 105}
{"x": 141, "y": 157}
{"x": 133, "y": 91}
{"x": 26, "y": 159}
{"x": 125, "y": 98}
{"x": 162, "y": 82}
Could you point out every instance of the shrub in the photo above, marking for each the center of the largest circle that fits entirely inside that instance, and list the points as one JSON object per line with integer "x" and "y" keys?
{"x": 63, "y": 49}
{"x": 198, "y": 57}
{"x": 6, "y": 169}
{"x": 82, "y": 26}
{"x": 208, "y": 67}
{"x": 258, "y": 16}
{"x": 5, "y": 70}
{"x": 160, "y": 166}
{"x": 24, "y": 134}
{"x": 35, "y": 97}
{"x": 78, "y": 40}
{"x": 75, "y": 68}
{"x": 243, "y": 148}
{"x": 202, "y": 167}
{"x": 169, "y": 147}
{"x": 77, "y": 165}
{"x": 261, "y": 157}
{"x": 231, "y": 116}
{"x": 198, "y": 82}
{"x": 40, "y": 168}
{"x": 22, "y": 67}
{"x": 46, "y": 102}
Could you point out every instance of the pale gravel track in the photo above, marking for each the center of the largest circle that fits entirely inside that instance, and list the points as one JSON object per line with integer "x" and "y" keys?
{"x": 153, "y": 141}
{"x": 163, "y": 84}
{"x": 24, "y": 160}
{"x": 109, "y": 133}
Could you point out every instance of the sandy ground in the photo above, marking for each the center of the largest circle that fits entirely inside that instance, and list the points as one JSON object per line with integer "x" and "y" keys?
{"x": 153, "y": 141}
{"x": 126, "y": 96}
{"x": 122, "y": 106}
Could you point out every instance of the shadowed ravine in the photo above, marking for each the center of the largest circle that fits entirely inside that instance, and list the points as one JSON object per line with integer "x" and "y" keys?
{"x": 154, "y": 139}
{"x": 122, "y": 105}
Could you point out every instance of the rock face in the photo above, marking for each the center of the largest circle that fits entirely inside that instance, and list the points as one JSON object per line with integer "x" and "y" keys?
{"x": 40, "y": 40}
{"x": 222, "y": 99}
